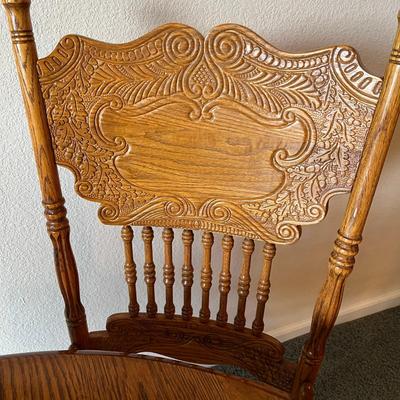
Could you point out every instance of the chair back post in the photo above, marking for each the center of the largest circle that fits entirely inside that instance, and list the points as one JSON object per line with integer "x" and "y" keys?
{"x": 24, "y": 48}
{"x": 345, "y": 248}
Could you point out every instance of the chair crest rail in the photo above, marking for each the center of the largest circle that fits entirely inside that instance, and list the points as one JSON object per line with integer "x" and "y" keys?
{"x": 145, "y": 126}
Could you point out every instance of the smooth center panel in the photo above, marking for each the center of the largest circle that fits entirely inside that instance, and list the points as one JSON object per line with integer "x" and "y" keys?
{"x": 227, "y": 157}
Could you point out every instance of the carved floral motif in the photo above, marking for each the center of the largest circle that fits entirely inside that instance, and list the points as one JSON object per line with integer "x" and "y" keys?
{"x": 327, "y": 92}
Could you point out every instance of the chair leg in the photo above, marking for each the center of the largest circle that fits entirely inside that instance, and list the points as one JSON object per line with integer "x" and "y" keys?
{"x": 326, "y": 309}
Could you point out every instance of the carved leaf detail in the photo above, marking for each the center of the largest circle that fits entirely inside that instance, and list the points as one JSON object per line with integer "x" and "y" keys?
{"x": 331, "y": 165}
{"x": 270, "y": 91}
{"x": 325, "y": 94}
{"x": 77, "y": 147}
{"x": 134, "y": 83}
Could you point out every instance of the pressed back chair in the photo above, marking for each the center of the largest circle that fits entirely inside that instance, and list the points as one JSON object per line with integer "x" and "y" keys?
{"x": 222, "y": 133}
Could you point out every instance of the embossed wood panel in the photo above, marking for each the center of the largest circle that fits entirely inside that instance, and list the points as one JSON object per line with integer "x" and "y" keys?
{"x": 223, "y": 133}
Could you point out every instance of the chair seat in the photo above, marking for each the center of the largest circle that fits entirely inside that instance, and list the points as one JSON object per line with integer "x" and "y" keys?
{"x": 88, "y": 375}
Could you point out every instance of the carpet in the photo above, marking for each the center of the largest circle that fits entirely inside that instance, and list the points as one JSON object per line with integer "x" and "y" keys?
{"x": 362, "y": 360}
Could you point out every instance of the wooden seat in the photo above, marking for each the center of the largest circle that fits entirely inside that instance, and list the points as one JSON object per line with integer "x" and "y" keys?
{"x": 221, "y": 133}
{"x": 63, "y": 375}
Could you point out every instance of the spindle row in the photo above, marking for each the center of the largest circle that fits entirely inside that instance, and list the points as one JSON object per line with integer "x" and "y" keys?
{"x": 243, "y": 289}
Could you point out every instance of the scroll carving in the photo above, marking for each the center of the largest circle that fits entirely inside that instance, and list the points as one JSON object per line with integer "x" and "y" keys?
{"x": 299, "y": 120}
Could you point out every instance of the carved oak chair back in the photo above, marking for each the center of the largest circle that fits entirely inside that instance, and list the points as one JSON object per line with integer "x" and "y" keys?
{"x": 222, "y": 133}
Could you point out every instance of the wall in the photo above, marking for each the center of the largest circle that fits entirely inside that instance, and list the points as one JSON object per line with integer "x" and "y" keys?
{"x": 30, "y": 305}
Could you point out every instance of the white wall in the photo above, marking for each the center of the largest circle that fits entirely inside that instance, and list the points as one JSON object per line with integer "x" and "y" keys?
{"x": 31, "y": 311}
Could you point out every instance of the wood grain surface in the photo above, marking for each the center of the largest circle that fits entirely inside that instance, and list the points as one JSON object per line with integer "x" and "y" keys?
{"x": 64, "y": 376}
{"x": 223, "y": 133}
{"x": 199, "y": 342}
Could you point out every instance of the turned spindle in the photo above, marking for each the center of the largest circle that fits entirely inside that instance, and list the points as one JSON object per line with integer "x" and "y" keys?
{"x": 169, "y": 273}
{"x": 130, "y": 270}
{"x": 206, "y": 276}
{"x": 224, "y": 279}
{"x": 244, "y": 283}
{"x": 187, "y": 274}
{"x": 149, "y": 270}
{"x": 263, "y": 288}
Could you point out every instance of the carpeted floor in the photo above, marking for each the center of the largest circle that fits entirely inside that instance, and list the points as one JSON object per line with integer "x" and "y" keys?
{"x": 362, "y": 360}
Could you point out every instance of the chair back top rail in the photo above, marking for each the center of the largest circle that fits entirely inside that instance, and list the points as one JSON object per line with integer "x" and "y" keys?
{"x": 223, "y": 133}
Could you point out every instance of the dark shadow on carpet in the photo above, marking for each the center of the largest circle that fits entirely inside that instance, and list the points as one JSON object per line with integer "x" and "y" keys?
{"x": 362, "y": 360}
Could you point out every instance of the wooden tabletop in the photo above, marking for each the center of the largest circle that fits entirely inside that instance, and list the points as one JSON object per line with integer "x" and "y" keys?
{"x": 88, "y": 375}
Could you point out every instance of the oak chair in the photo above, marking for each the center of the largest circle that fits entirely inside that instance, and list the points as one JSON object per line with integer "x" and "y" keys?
{"x": 222, "y": 133}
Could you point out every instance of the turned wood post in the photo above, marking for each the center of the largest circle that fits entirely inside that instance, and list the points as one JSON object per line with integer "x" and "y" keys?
{"x": 342, "y": 258}
{"x": 225, "y": 280}
{"x": 149, "y": 271}
{"x": 187, "y": 274}
{"x": 263, "y": 288}
{"x": 206, "y": 276}
{"x": 24, "y": 48}
{"x": 244, "y": 284}
{"x": 130, "y": 269}
{"x": 169, "y": 273}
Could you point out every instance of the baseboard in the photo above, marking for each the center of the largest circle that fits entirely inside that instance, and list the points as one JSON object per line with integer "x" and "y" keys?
{"x": 359, "y": 310}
